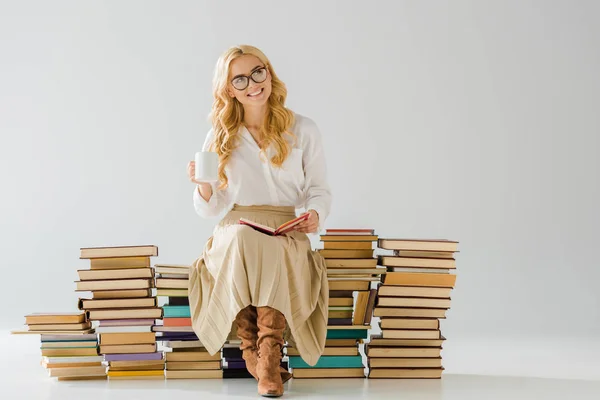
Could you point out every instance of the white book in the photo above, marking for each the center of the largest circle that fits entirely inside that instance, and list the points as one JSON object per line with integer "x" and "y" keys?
{"x": 82, "y": 359}
{"x": 123, "y": 329}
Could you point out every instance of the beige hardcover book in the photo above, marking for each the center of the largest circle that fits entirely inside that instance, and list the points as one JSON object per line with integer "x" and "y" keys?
{"x": 78, "y": 371}
{"x": 136, "y": 377}
{"x": 91, "y": 304}
{"x": 127, "y": 338}
{"x": 418, "y": 244}
{"x": 356, "y": 271}
{"x": 116, "y": 284}
{"x": 192, "y": 365}
{"x": 121, "y": 294}
{"x": 127, "y": 348}
{"x": 410, "y": 334}
{"x": 432, "y": 362}
{"x": 27, "y": 331}
{"x": 424, "y": 254}
{"x": 148, "y": 367}
{"x": 183, "y": 271}
{"x": 345, "y": 245}
{"x": 409, "y": 323}
{"x": 341, "y": 302}
{"x": 65, "y": 351}
{"x": 351, "y": 262}
{"x": 105, "y": 274}
{"x": 313, "y": 373}
{"x": 60, "y": 327}
{"x": 55, "y": 318}
{"x": 133, "y": 364}
{"x": 119, "y": 262}
{"x": 195, "y": 374}
{"x": 125, "y": 313}
{"x": 348, "y": 238}
{"x": 417, "y": 262}
{"x": 59, "y": 345}
{"x": 162, "y": 283}
{"x": 329, "y": 351}
{"x": 405, "y": 347}
{"x": 82, "y": 378}
{"x": 346, "y": 253}
{"x": 172, "y": 292}
{"x": 354, "y": 277}
{"x": 409, "y": 312}
{"x": 118, "y": 251}
{"x": 414, "y": 291}
{"x": 70, "y": 365}
{"x": 402, "y": 352}
{"x": 341, "y": 342}
{"x": 408, "y": 373}
{"x": 189, "y": 356}
{"x": 419, "y": 302}
{"x": 184, "y": 344}
{"x": 361, "y": 308}
{"x": 349, "y": 285}
{"x": 419, "y": 279}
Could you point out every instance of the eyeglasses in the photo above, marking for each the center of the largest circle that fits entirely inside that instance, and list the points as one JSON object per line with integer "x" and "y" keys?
{"x": 241, "y": 82}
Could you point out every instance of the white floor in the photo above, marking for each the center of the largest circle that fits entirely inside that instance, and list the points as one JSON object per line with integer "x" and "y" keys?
{"x": 490, "y": 370}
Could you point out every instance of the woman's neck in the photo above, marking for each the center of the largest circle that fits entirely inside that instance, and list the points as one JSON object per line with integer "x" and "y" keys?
{"x": 254, "y": 117}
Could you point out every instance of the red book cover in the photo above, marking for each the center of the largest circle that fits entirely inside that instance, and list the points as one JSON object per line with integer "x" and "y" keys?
{"x": 280, "y": 230}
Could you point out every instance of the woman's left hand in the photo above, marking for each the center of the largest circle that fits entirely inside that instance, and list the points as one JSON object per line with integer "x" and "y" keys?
{"x": 311, "y": 225}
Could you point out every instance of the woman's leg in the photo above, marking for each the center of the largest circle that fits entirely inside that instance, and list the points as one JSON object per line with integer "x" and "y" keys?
{"x": 271, "y": 324}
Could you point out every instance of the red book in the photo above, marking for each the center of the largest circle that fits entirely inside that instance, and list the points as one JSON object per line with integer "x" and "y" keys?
{"x": 280, "y": 230}
{"x": 350, "y": 231}
{"x": 177, "y": 322}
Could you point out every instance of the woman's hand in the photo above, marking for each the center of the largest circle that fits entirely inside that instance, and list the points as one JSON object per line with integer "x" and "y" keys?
{"x": 311, "y": 225}
{"x": 203, "y": 187}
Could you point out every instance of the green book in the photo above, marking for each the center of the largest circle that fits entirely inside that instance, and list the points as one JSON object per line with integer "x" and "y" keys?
{"x": 176, "y": 311}
{"x": 347, "y": 333}
{"x": 328, "y": 362}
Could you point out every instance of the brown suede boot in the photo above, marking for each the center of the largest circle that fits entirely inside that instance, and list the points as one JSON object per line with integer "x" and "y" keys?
{"x": 271, "y": 324}
{"x": 247, "y": 331}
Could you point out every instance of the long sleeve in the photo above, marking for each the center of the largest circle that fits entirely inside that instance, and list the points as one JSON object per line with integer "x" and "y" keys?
{"x": 316, "y": 187}
{"x": 219, "y": 198}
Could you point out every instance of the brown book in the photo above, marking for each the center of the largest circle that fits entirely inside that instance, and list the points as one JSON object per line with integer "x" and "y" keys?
{"x": 418, "y": 302}
{"x": 402, "y": 352}
{"x": 417, "y": 262}
{"x": 60, "y": 327}
{"x": 370, "y": 306}
{"x": 62, "y": 344}
{"x": 118, "y": 251}
{"x": 339, "y": 314}
{"x": 121, "y": 294}
{"x": 407, "y": 373}
{"x": 71, "y": 352}
{"x": 378, "y": 341}
{"x": 431, "y": 362}
{"x": 127, "y": 338}
{"x": 55, "y": 318}
{"x": 195, "y": 374}
{"x": 341, "y": 302}
{"x": 172, "y": 292}
{"x": 417, "y": 279}
{"x": 340, "y": 343}
{"x": 116, "y": 284}
{"x": 119, "y": 262}
{"x": 347, "y": 245}
{"x": 351, "y": 262}
{"x": 147, "y": 367}
{"x": 70, "y": 365}
{"x": 340, "y": 293}
{"x": 102, "y": 274}
{"x": 188, "y": 356}
{"x": 313, "y": 373}
{"x": 349, "y": 285}
{"x": 133, "y": 364}
{"x": 367, "y": 272}
{"x": 89, "y": 304}
{"x": 162, "y": 283}
{"x": 410, "y": 334}
{"x": 360, "y": 309}
{"x": 409, "y": 323}
{"x": 424, "y": 254}
{"x": 348, "y": 238}
{"x": 409, "y": 312}
{"x": 127, "y": 348}
{"x": 414, "y": 291}
{"x": 192, "y": 365}
{"x": 183, "y": 270}
{"x": 418, "y": 244}
{"x": 125, "y": 313}
{"x": 329, "y": 351}
{"x": 346, "y": 253}
{"x": 77, "y": 372}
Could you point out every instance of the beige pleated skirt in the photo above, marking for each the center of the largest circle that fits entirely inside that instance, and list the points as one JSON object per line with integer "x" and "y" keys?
{"x": 241, "y": 266}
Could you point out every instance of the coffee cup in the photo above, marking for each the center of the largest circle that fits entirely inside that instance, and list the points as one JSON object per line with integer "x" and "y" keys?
{"x": 207, "y": 166}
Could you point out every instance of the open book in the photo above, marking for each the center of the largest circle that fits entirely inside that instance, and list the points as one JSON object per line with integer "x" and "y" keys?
{"x": 280, "y": 230}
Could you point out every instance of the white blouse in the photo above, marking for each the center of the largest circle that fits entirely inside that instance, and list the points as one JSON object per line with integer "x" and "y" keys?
{"x": 300, "y": 182}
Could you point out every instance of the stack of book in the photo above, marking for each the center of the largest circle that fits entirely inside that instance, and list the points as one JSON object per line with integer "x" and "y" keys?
{"x": 351, "y": 268}
{"x": 414, "y": 296}
{"x": 69, "y": 345}
{"x": 121, "y": 282}
{"x": 186, "y": 357}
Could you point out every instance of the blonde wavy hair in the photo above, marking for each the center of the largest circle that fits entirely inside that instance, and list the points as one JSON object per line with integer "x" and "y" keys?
{"x": 227, "y": 113}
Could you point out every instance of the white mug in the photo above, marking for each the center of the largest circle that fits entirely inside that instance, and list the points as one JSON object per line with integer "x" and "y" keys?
{"x": 207, "y": 166}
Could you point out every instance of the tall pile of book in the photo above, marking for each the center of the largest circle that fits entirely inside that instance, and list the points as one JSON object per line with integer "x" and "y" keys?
{"x": 121, "y": 282}
{"x": 351, "y": 268}
{"x": 186, "y": 357}
{"x": 414, "y": 296}
{"x": 69, "y": 345}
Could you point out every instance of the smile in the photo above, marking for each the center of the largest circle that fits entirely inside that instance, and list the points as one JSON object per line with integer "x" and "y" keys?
{"x": 257, "y": 93}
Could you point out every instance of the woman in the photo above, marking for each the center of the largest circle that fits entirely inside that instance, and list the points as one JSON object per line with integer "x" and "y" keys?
{"x": 266, "y": 289}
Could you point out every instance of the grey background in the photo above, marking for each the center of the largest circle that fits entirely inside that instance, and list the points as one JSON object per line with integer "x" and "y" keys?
{"x": 475, "y": 121}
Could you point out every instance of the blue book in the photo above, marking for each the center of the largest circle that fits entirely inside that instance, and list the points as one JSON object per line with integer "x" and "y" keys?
{"x": 176, "y": 311}
{"x": 328, "y": 362}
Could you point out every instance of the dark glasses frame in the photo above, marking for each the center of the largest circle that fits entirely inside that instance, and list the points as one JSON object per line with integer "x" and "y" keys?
{"x": 251, "y": 76}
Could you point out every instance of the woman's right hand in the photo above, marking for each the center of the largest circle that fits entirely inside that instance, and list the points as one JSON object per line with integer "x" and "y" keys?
{"x": 204, "y": 187}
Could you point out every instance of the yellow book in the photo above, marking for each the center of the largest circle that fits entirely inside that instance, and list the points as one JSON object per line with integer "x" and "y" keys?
{"x": 135, "y": 373}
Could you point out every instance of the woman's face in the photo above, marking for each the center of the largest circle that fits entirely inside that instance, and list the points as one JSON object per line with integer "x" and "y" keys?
{"x": 249, "y": 81}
